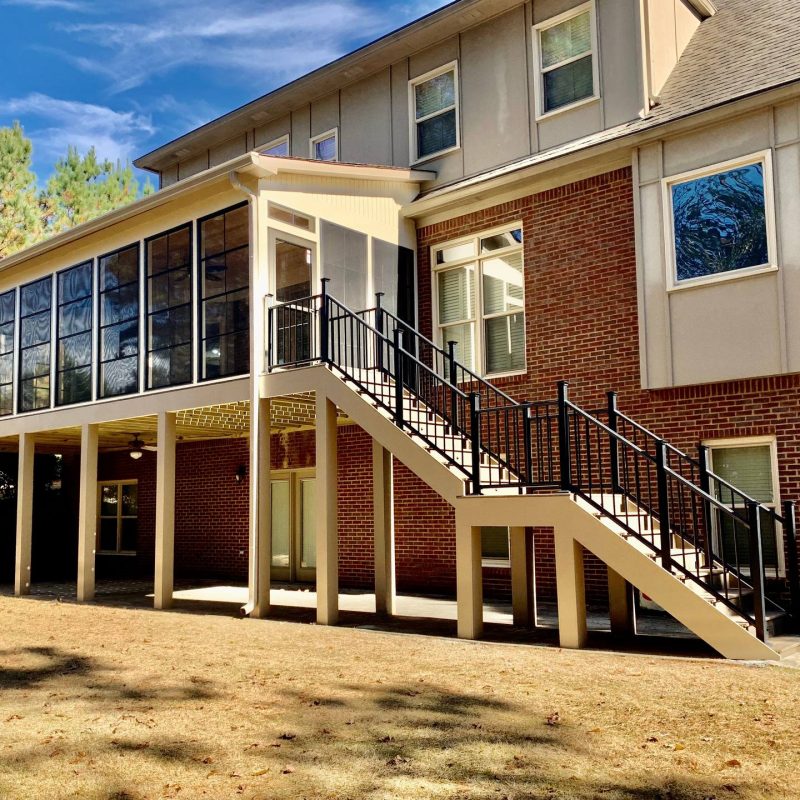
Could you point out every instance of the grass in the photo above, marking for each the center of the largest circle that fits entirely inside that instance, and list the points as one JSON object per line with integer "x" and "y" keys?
{"x": 101, "y": 702}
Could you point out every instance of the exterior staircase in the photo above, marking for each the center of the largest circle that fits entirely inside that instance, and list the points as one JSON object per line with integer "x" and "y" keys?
{"x": 659, "y": 517}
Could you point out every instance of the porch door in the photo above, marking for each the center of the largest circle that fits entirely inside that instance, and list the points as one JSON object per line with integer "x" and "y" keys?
{"x": 294, "y": 553}
{"x": 293, "y": 282}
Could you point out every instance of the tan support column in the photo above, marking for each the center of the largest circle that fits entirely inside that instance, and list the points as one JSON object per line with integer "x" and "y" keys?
{"x": 469, "y": 579}
{"x": 87, "y": 513}
{"x": 165, "y": 510}
{"x": 620, "y": 605}
{"x": 260, "y": 509}
{"x": 523, "y": 595}
{"x": 570, "y": 590}
{"x": 383, "y": 511}
{"x": 22, "y": 569}
{"x": 327, "y": 514}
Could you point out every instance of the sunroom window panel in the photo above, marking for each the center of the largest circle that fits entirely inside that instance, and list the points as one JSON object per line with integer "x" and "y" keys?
{"x": 34, "y": 367}
{"x": 7, "y": 314}
{"x": 35, "y": 297}
{"x": 35, "y": 329}
{"x": 119, "y": 377}
{"x": 568, "y": 84}
{"x": 6, "y": 369}
{"x": 720, "y": 223}
{"x": 568, "y": 39}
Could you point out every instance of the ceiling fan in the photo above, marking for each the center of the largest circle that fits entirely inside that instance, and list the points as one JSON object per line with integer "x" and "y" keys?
{"x": 137, "y": 447}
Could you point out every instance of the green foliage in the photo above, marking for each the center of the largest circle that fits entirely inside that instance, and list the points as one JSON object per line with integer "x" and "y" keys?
{"x": 20, "y": 220}
{"x": 80, "y": 189}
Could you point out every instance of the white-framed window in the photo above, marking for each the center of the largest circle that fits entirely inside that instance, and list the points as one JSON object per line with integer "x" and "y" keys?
{"x": 277, "y": 147}
{"x": 495, "y": 547}
{"x": 720, "y": 221}
{"x": 565, "y": 58}
{"x": 434, "y": 113}
{"x": 325, "y": 147}
{"x": 117, "y": 517}
{"x": 479, "y": 299}
{"x": 751, "y": 465}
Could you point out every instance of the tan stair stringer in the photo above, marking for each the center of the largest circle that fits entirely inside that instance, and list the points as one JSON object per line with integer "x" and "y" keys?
{"x": 701, "y": 617}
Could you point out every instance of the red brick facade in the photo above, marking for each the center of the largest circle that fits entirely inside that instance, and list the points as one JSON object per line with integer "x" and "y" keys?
{"x": 582, "y": 326}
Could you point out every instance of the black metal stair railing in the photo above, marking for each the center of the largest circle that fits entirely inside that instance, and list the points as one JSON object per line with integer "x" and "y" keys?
{"x": 694, "y": 523}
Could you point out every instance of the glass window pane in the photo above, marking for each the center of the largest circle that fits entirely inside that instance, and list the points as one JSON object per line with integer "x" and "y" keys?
{"x": 280, "y": 149}
{"x": 117, "y": 269}
{"x": 74, "y": 386}
{"x": 566, "y": 40}
{"x": 308, "y": 536}
{"x": 568, "y": 84}
{"x": 237, "y": 227}
{"x": 119, "y": 341}
{"x": 128, "y": 535}
{"x": 720, "y": 223}
{"x": 76, "y": 351}
{"x": 494, "y": 543}
{"x": 325, "y": 149}
{"x": 75, "y": 283}
{"x": 169, "y": 328}
{"x": 35, "y": 297}
{"x": 237, "y": 269}
{"x": 35, "y": 393}
{"x": 6, "y": 399}
{"x": 435, "y": 94}
{"x": 35, "y": 361}
{"x": 75, "y": 317}
{"x": 108, "y": 501}
{"x": 170, "y": 367}
{"x": 462, "y": 335}
{"x": 108, "y": 535}
{"x": 119, "y": 304}
{"x": 747, "y": 468}
{"x": 281, "y": 522}
{"x": 456, "y": 252}
{"x": 7, "y": 337}
{"x": 436, "y": 134}
{"x": 119, "y": 377}
{"x": 227, "y": 355}
{"x": 456, "y": 294}
{"x": 498, "y": 241}
{"x": 212, "y": 236}
{"x": 180, "y": 247}
{"x": 502, "y": 284}
{"x": 130, "y": 495}
{"x": 505, "y": 343}
{"x": 35, "y": 329}
{"x": 6, "y": 368}
{"x": 7, "y": 307}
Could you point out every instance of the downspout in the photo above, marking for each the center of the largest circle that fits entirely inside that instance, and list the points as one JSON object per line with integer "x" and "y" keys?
{"x": 255, "y": 573}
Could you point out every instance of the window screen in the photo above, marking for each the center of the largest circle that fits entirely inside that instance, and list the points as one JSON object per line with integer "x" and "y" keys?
{"x": 34, "y": 346}
{"x": 7, "y": 313}
{"x": 344, "y": 261}
{"x": 74, "y": 332}
{"x": 119, "y": 322}
{"x": 225, "y": 293}
{"x": 169, "y": 308}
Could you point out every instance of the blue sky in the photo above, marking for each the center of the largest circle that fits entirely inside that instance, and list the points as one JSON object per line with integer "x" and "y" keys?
{"x": 129, "y": 75}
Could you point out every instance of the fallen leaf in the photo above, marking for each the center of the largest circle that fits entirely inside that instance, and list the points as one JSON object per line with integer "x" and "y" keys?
{"x": 554, "y": 718}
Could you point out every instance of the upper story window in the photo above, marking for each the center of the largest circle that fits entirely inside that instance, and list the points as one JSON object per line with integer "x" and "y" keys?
{"x": 225, "y": 293}
{"x": 480, "y": 300}
{"x": 119, "y": 322}
{"x": 169, "y": 308}
{"x": 35, "y": 308}
{"x": 325, "y": 147}
{"x": 74, "y": 335}
{"x": 722, "y": 221}
{"x": 434, "y": 112}
{"x": 566, "y": 59}
{"x": 277, "y": 147}
{"x": 7, "y": 314}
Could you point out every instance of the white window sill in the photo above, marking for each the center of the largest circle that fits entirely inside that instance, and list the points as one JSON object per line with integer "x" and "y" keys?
{"x": 495, "y": 376}
{"x": 725, "y": 277}
{"x": 545, "y": 115}
{"x": 432, "y": 156}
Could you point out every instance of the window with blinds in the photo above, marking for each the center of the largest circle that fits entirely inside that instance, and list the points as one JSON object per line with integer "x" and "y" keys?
{"x": 751, "y": 469}
{"x": 566, "y": 59}
{"x": 480, "y": 300}
{"x": 434, "y": 112}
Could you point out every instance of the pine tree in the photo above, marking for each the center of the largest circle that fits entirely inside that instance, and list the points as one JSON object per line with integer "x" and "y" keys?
{"x": 82, "y": 188}
{"x": 20, "y": 222}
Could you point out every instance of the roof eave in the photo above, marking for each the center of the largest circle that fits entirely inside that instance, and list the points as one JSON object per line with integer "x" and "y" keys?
{"x": 705, "y": 8}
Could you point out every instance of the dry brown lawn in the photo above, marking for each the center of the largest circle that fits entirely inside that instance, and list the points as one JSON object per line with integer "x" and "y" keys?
{"x": 100, "y": 702}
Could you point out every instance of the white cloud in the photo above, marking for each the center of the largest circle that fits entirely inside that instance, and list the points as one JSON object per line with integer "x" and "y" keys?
{"x": 53, "y": 124}
{"x": 251, "y": 41}
{"x": 66, "y": 5}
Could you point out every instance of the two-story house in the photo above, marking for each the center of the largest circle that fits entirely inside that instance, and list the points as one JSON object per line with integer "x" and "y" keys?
{"x": 335, "y": 346}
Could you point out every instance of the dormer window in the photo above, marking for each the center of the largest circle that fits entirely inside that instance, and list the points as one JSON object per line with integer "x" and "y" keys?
{"x": 325, "y": 147}
{"x": 566, "y": 59}
{"x": 434, "y": 113}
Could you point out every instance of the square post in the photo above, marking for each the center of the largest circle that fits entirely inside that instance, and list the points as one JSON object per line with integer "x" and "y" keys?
{"x": 570, "y": 590}
{"x": 383, "y": 518}
{"x": 260, "y": 510}
{"x": 165, "y": 511}
{"x": 469, "y": 579}
{"x": 327, "y": 513}
{"x": 87, "y": 513}
{"x": 523, "y": 594}
{"x": 22, "y": 566}
{"x": 620, "y": 605}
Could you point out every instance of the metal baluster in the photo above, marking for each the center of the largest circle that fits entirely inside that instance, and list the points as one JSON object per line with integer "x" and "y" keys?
{"x": 475, "y": 431}
{"x": 563, "y": 436}
{"x": 790, "y": 534}
{"x": 613, "y": 443}
{"x": 757, "y": 569}
{"x": 663, "y": 503}
{"x": 398, "y": 377}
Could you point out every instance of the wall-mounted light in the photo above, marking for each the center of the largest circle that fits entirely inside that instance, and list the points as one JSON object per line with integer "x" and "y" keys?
{"x": 241, "y": 473}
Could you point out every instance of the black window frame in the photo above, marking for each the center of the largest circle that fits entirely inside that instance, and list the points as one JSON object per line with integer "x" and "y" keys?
{"x": 58, "y": 338}
{"x": 9, "y": 353}
{"x": 201, "y": 259}
{"x": 147, "y": 306}
{"x": 22, "y": 317}
{"x": 101, "y": 327}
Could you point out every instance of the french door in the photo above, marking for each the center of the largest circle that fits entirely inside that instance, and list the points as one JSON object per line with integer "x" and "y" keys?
{"x": 294, "y": 545}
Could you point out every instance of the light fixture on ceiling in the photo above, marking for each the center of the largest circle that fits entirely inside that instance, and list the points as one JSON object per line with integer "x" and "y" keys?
{"x": 137, "y": 447}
